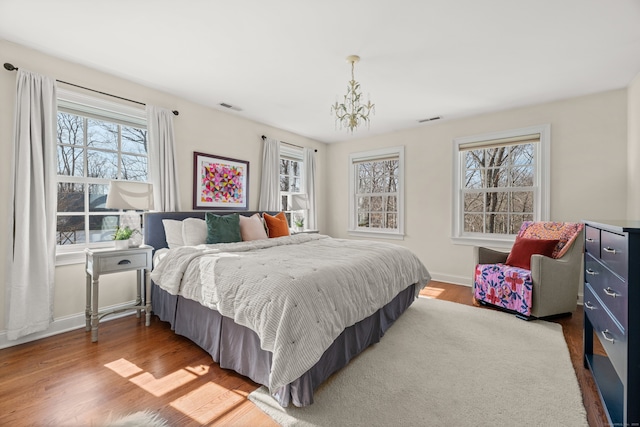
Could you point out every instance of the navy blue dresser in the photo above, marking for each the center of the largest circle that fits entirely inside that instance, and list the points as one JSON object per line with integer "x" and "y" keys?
{"x": 612, "y": 313}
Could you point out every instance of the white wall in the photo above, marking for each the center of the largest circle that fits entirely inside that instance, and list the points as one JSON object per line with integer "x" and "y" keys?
{"x": 588, "y": 172}
{"x": 197, "y": 128}
{"x": 633, "y": 153}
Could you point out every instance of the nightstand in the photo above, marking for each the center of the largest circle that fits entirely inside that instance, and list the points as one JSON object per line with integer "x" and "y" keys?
{"x": 106, "y": 261}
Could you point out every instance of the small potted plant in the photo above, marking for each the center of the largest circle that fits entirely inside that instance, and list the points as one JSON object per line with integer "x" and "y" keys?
{"x": 298, "y": 221}
{"x": 122, "y": 236}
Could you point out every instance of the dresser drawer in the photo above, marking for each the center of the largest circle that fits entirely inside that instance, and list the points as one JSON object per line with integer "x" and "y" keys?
{"x": 592, "y": 241}
{"x": 109, "y": 264}
{"x": 612, "y": 338}
{"x": 611, "y": 290}
{"x": 614, "y": 252}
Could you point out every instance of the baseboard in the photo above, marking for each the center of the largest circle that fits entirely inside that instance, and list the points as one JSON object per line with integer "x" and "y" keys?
{"x": 64, "y": 324}
{"x": 456, "y": 280}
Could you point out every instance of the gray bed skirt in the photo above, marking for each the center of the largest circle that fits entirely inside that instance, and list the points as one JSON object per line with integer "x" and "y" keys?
{"x": 237, "y": 348}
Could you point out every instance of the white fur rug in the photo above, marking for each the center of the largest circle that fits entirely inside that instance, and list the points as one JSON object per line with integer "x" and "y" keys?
{"x": 138, "y": 419}
{"x": 446, "y": 364}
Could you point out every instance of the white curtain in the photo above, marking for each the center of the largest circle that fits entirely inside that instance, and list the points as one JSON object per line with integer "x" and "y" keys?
{"x": 163, "y": 164}
{"x": 270, "y": 181}
{"x": 309, "y": 157}
{"x": 33, "y": 198}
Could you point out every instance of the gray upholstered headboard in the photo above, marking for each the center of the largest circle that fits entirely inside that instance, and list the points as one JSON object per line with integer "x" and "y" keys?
{"x": 154, "y": 230}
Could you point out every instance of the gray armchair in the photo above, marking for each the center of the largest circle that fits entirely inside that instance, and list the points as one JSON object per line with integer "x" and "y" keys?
{"x": 554, "y": 283}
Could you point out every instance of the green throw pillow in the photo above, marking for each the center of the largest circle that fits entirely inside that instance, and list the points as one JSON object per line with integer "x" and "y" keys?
{"x": 223, "y": 228}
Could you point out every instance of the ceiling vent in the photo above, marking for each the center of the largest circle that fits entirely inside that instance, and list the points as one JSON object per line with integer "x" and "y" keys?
{"x": 229, "y": 106}
{"x": 430, "y": 119}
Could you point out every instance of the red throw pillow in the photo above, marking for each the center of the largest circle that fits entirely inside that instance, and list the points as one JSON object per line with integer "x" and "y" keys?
{"x": 276, "y": 225}
{"x": 523, "y": 248}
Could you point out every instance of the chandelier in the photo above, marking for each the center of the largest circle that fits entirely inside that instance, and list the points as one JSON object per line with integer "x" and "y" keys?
{"x": 351, "y": 113}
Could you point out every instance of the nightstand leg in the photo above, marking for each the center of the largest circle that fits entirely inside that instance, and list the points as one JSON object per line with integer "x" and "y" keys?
{"x": 94, "y": 310}
{"x": 140, "y": 278}
{"x": 87, "y": 310}
{"x": 147, "y": 299}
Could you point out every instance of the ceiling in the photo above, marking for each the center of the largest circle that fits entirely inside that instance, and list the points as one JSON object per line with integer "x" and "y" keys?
{"x": 282, "y": 62}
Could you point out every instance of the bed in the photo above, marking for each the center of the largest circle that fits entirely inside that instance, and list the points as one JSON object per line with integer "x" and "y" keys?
{"x": 285, "y": 312}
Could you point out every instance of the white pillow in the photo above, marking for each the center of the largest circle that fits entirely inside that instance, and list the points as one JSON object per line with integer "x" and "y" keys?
{"x": 173, "y": 233}
{"x": 252, "y": 228}
{"x": 194, "y": 231}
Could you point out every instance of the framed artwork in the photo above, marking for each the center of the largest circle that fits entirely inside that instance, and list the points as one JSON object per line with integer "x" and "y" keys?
{"x": 220, "y": 182}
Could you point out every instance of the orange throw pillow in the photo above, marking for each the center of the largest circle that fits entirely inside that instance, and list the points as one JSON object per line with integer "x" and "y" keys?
{"x": 276, "y": 225}
{"x": 520, "y": 255}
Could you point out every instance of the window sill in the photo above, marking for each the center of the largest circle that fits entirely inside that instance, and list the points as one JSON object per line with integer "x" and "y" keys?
{"x": 502, "y": 242}
{"x": 376, "y": 234}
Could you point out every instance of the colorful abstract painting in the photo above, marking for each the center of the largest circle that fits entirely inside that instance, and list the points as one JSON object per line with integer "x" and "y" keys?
{"x": 220, "y": 182}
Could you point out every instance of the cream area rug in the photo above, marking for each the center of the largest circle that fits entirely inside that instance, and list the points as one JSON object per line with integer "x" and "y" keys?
{"x": 447, "y": 364}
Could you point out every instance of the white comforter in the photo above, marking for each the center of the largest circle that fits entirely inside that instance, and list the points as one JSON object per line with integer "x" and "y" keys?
{"x": 297, "y": 293}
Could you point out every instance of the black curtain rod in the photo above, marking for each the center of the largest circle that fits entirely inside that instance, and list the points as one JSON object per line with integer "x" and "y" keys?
{"x": 10, "y": 67}
{"x": 288, "y": 143}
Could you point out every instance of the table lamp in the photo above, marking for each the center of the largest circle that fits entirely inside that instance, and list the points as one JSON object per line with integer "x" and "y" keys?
{"x": 130, "y": 196}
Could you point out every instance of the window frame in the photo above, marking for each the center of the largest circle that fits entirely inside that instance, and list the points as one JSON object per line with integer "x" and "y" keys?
{"x": 292, "y": 154}
{"x": 541, "y": 184}
{"x": 91, "y": 107}
{"x": 372, "y": 155}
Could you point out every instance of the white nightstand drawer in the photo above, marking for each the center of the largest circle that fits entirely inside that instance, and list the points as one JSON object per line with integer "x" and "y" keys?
{"x": 122, "y": 262}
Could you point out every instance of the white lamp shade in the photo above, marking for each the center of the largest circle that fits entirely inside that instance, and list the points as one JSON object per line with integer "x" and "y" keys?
{"x": 130, "y": 195}
{"x": 299, "y": 202}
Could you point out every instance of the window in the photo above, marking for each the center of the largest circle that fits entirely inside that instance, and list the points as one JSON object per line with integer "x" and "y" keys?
{"x": 97, "y": 141}
{"x": 291, "y": 172}
{"x": 376, "y": 202}
{"x": 500, "y": 181}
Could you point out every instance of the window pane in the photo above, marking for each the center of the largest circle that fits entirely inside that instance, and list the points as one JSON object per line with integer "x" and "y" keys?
{"x": 70, "y": 197}
{"x": 70, "y": 229}
{"x": 284, "y": 202}
{"x": 497, "y": 178}
{"x": 474, "y": 202}
{"x": 102, "y": 164}
{"x": 295, "y": 185}
{"x": 376, "y": 220}
{"x": 102, "y": 227}
{"x": 284, "y": 183}
{"x": 474, "y": 159}
{"x": 70, "y": 161}
{"x": 497, "y": 156}
{"x": 473, "y": 223}
{"x": 376, "y": 204}
{"x": 392, "y": 220}
{"x": 363, "y": 219}
{"x": 134, "y": 168}
{"x": 522, "y": 154}
{"x": 364, "y": 203}
{"x": 497, "y": 202}
{"x": 295, "y": 168}
{"x": 284, "y": 167}
{"x": 98, "y": 197}
{"x": 474, "y": 179}
{"x": 522, "y": 201}
{"x": 102, "y": 135}
{"x": 392, "y": 204}
{"x": 134, "y": 140}
{"x": 496, "y": 223}
{"x": 70, "y": 129}
{"x": 522, "y": 176}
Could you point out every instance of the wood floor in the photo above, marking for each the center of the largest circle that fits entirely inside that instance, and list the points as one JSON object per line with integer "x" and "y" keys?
{"x": 67, "y": 380}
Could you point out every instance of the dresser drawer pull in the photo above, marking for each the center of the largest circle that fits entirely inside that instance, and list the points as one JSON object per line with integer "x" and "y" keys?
{"x": 589, "y": 305}
{"x": 610, "y": 292}
{"x": 591, "y": 272}
{"x": 590, "y": 240}
{"x": 124, "y": 262}
{"x": 604, "y": 334}
{"x": 610, "y": 250}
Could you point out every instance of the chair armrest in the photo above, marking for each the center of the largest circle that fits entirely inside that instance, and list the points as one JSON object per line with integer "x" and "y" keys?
{"x": 489, "y": 256}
